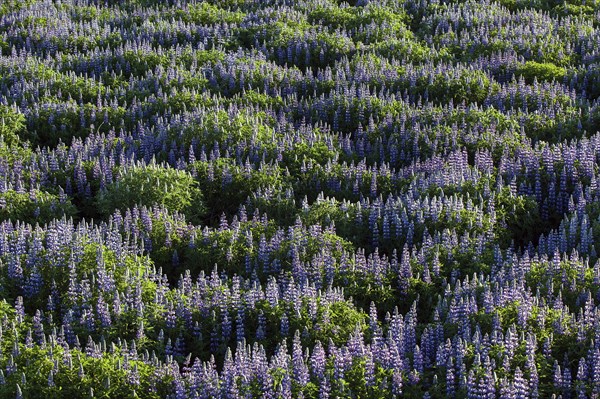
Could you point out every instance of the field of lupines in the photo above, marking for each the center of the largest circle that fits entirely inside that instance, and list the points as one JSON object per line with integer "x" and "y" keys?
{"x": 307, "y": 199}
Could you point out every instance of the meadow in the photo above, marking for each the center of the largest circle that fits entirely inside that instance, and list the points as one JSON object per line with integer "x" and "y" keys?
{"x": 300, "y": 199}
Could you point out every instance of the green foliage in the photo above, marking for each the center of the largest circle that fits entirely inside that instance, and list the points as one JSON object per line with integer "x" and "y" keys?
{"x": 221, "y": 127}
{"x": 34, "y": 207}
{"x": 541, "y": 72}
{"x": 410, "y": 50}
{"x": 253, "y": 97}
{"x": 12, "y": 124}
{"x": 518, "y": 218}
{"x": 54, "y": 124}
{"x": 556, "y": 7}
{"x": 355, "y": 17}
{"x": 77, "y": 373}
{"x": 222, "y": 179}
{"x": 105, "y": 377}
{"x": 151, "y": 185}
{"x": 355, "y": 383}
{"x": 10, "y": 6}
{"x": 469, "y": 86}
{"x": 276, "y": 34}
{"x": 15, "y": 153}
{"x": 343, "y": 319}
{"x": 208, "y": 14}
{"x": 334, "y": 17}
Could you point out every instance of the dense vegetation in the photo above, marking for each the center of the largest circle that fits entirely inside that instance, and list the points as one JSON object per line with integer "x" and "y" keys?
{"x": 312, "y": 199}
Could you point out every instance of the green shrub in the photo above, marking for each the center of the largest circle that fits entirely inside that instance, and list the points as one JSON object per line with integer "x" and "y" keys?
{"x": 208, "y": 14}
{"x": 38, "y": 206}
{"x": 11, "y": 124}
{"x": 519, "y": 219}
{"x": 150, "y": 185}
{"x": 541, "y": 71}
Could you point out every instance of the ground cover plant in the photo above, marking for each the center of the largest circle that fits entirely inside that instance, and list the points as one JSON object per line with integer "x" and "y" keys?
{"x": 299, "y": 199}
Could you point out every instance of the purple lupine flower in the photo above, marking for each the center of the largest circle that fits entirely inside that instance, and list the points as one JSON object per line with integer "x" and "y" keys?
{"x": 262, "y": 325}
{"x": 299, "y": 368}
{"x": 284, "y": 325}
{"x": 317, "y": 361}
